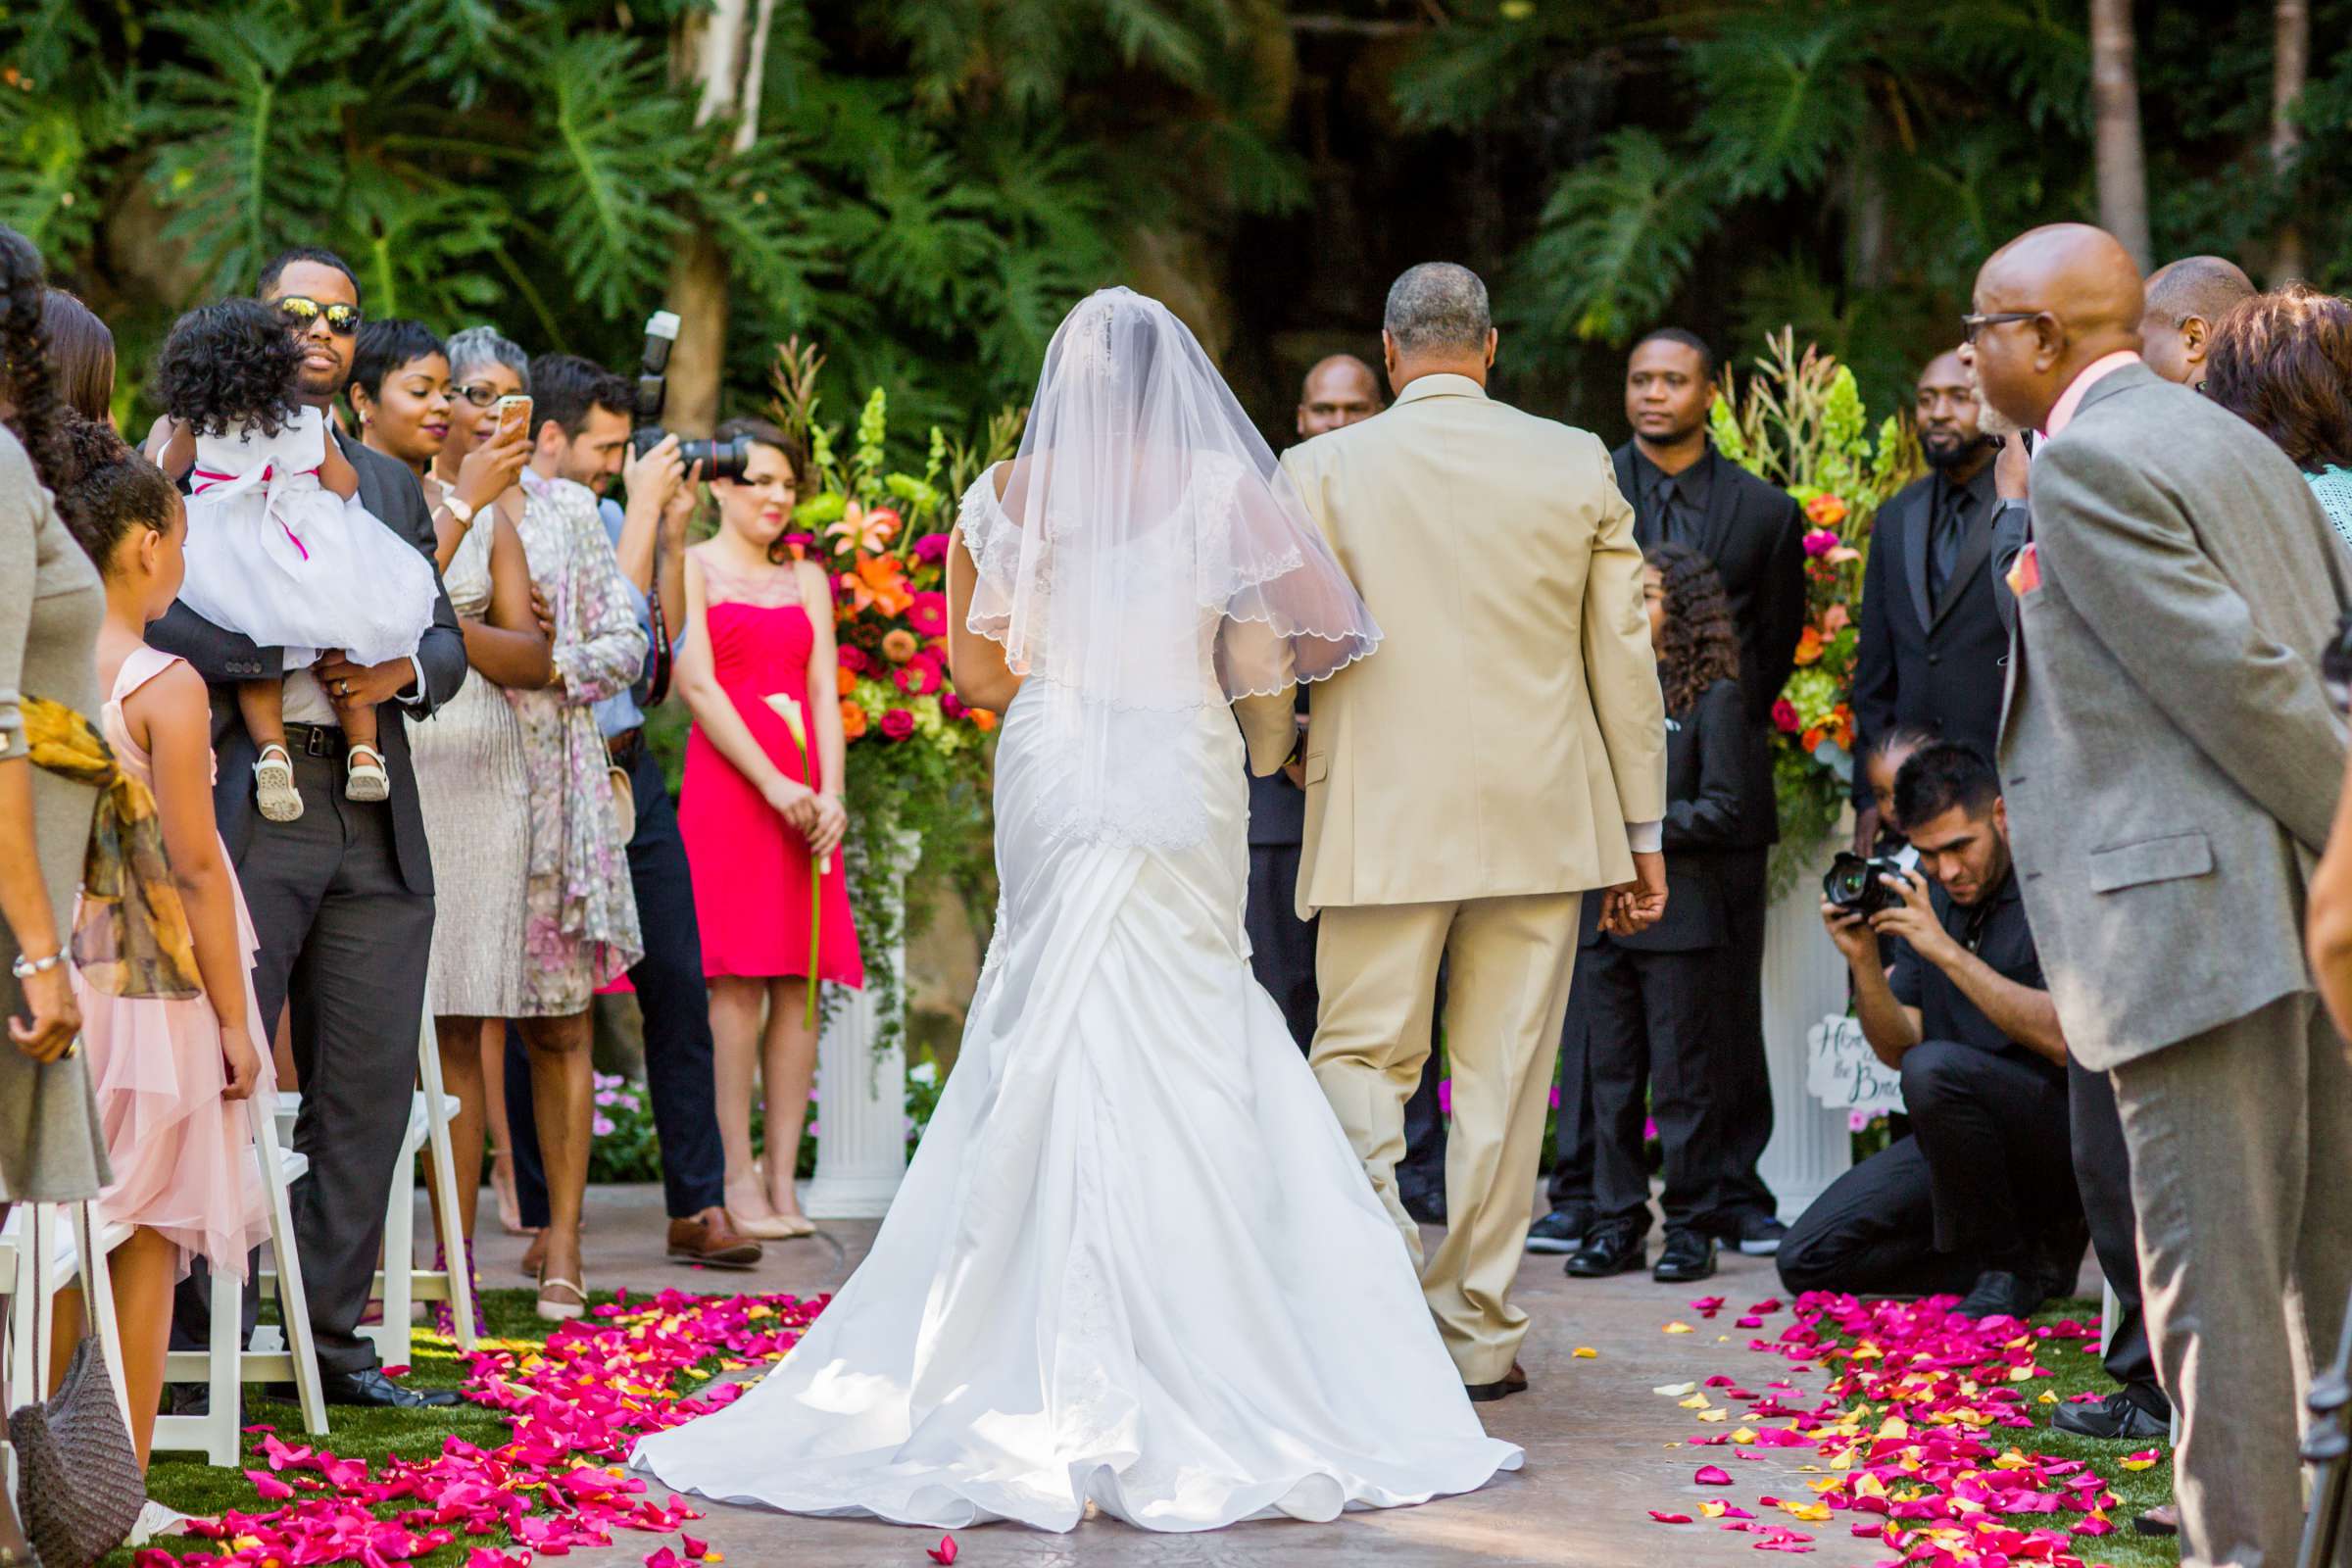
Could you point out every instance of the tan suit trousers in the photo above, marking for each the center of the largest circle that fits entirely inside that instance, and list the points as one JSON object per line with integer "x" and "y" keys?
{"x": 1511, "y": 959}
{"x": 2241, "y": 1178}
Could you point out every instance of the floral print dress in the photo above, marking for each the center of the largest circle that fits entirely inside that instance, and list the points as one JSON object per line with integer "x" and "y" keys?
{"x": 580, "y": 915}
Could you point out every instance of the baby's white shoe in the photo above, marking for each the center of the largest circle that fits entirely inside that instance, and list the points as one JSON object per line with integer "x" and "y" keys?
{"x": 274, "y": 785}
{"x": 367, "y": 780}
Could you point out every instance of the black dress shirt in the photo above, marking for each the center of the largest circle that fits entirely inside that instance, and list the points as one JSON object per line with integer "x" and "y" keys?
{"x": 1674, "y": 505}
{"x": 1995, "y": 931}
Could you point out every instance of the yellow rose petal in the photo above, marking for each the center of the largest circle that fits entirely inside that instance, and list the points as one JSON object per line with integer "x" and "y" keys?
{"x": 1585, "y": 1353}
{"x": 1678, "y": 1328}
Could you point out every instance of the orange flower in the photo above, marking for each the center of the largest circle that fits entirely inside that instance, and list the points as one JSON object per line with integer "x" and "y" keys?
{"x": 846, "y": 679}
{"x": 1810, "y": 739}
{"x": 864, "y": 530}
{"x": 1808, "y": 646}
{"x": 878, "y": 583}
{"x": 1826, "y": 511}
{"x": 853, "y": 720}
{"x": 982, "y": 720}
{"x": 899, "y": 645}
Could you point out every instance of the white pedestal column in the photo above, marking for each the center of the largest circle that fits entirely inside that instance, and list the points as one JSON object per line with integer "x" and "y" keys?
{"x": 861, "y": 1092}
{"x": 1804, "y": 979}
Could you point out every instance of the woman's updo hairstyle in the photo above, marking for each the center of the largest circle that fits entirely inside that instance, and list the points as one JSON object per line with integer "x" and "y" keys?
{"x": 105, "y": 490}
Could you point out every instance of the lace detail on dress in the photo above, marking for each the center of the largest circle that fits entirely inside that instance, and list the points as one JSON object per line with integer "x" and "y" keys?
{"x": 768, "y": 590}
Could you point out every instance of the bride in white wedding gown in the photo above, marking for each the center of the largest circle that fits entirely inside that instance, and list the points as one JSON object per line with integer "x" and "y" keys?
{"x": 1135, "y": 1261}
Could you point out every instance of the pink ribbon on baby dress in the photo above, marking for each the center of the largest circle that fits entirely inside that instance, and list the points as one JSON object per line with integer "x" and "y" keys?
{"x": 236, "y": 484}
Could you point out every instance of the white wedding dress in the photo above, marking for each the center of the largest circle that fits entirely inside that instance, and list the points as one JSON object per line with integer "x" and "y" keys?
{"x": 1135, "y": 1263}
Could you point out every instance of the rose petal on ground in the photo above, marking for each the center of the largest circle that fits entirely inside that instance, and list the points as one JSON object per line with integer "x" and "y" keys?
{"x": 1711, "y": 1474}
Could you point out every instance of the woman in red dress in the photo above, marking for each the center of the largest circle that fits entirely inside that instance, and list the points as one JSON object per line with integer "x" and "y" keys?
{"x": 758, "y": 643}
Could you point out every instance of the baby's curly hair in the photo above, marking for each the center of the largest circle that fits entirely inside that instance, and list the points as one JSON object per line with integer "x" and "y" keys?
{"x": 228, "y": 366}
{"x": 1701, "y": 647}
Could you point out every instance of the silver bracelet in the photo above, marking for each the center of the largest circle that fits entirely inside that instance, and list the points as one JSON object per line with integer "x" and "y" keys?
{"x": 24, "y": 969}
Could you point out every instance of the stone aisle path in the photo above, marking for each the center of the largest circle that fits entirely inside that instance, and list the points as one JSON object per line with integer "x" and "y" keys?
{"x": 1594, "y": 1433}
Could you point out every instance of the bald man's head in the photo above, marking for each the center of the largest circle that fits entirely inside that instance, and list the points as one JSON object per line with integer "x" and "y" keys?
{"x": 2186, "y": 301}
{"x": 1339, "y": 391}
{"x": 2071, "y": 296}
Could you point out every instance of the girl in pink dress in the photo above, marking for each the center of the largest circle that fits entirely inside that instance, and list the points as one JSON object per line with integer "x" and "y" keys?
{"x": 169, "y": 1075}
{"x": 758, "y": 637}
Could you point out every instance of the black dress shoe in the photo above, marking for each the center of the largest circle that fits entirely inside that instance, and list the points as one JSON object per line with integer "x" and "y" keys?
{"x": 2116, "y": 1418}
{"x": 1609, "y": 1249}
{"x": 2000, "y": 1293}
{"x": 1757, "y": 1234}
{"x": 1513, "y": 1381}
{"x": 1686, "y": 1256}
{"x": 372, "y": 1387}
{"x": 1561, "y": 1231}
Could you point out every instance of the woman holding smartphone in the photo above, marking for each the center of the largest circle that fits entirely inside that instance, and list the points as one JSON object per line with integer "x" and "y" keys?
{"x": 434, "y": 409}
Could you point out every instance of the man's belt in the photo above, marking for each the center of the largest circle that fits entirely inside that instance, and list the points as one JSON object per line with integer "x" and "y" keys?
{"x": 624, "y": 747}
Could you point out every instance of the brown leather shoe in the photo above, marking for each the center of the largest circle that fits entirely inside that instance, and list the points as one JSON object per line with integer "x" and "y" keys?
{"x": 712, "y": 1239}
{"x": 1514, "y": 1382}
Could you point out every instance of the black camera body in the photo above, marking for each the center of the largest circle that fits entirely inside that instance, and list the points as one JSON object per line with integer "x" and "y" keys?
{"x": 719, "y": 460}
{"x": 2335, "y": 666}
{"x": 1852, "y": 884}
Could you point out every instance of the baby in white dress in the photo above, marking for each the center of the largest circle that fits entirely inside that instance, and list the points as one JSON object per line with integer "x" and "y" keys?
{"x": 278, "y": 546}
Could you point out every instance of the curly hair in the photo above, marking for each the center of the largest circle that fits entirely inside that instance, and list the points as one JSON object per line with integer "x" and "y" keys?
{"x": 105, "y": 489}
{"x": 27, "y": 374}
{"x": 1700, "y": 646}
{"x": 230, "y": 367}
{"x": 2283, "y": 363}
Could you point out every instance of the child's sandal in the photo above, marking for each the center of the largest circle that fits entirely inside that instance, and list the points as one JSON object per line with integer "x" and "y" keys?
{"x": 274, "y": 785}
{"x": 368, "y": 781}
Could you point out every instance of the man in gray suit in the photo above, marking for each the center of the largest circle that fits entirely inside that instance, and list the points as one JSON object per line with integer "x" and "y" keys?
{"x": 2171, "y": 762}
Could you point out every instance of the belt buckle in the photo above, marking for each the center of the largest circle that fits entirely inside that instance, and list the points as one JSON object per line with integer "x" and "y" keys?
{"x": 316, "y": 742}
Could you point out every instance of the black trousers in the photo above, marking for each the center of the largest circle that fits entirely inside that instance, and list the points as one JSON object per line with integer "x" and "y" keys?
{"x": 676, "y": 1006}
{"x": 1282, "y": 955}
{"x": 2103, "y": 1175}
{"x": 1570, "y": 1186}
{"x": 1986, "y": 1177}
{"x": 1745, "y": 1092}
{"x": 344, "y": 940}
{"x": 1653, "y": 1041}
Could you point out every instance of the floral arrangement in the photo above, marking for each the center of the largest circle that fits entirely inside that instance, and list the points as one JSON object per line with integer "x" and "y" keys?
{"x": 1799, "y": 423}
{"x": 916, "y": 761}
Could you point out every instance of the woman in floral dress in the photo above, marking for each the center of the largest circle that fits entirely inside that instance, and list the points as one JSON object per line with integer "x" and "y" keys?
{"x": 579, "y": 914}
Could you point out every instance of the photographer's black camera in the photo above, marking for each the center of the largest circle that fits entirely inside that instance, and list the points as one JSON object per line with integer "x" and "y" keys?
{"x": 720, "y": 460}
{"x": 1852, "y": 883}
{"x": 2335, "y": 666}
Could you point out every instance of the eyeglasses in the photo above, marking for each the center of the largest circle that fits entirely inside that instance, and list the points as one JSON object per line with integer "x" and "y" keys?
{"x": 341, "y": 320}
{"x": 481, "y": 394}
{"x": 1971, "y": 325}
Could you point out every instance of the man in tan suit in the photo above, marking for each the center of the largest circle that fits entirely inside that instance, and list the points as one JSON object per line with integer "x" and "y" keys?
{"x": 1503, "y": 753}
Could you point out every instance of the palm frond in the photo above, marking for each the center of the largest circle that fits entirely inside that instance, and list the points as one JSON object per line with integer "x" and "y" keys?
{"x": 618, "y": 147}
{"x": 1782, "y": 93}
{"x": 1614, "y": 240}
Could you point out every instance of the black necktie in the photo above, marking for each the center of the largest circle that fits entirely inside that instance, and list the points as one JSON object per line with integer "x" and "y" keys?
{"x": 1674, "y": 516}
{"x": 1943, "y": 543}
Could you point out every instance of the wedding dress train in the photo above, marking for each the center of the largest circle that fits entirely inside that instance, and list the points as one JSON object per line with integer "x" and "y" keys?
{"x": 1135, "y": 1261}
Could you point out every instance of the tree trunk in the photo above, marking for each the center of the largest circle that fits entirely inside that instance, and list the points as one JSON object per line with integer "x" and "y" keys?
{"x": 698, "y": 292}
{"x": 714, "y": 69}
{"x": 2115, "y": 108}
{"x": 2290, "y": 67}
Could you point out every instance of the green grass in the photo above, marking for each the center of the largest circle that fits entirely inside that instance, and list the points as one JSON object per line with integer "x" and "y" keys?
{"x": 189, "y": 1485}
{"x": 2076, "y": 1363}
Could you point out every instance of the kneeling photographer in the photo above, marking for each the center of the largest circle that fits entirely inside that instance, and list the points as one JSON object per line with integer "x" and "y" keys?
{"x": 1980, "y": 1199}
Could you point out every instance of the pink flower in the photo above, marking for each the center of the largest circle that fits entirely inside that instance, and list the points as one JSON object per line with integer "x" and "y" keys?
{"x": 897, "y": 724}
{"x": 920, "y": 678}
{"x": 931, "y": 548}
{"x": 853, "y": 659}
{"x": 928, "y": 615}
{"x": 1820, "y": 542}
{"x": 1445, "y": 1096}
{"x": 952, "y": 704}
{"x": 1784, "y": 717}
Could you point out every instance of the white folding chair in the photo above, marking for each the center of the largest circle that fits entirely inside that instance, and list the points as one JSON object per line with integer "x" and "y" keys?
{"x": 2109, "y": 1310}
{"x": 399, "y": 1287}
{"x": 224, "y": 1365}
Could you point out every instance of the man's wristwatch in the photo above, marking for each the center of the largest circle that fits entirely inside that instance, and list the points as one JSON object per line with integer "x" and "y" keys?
{"x": 24, "y": 969}
{"x": 458, "y": 509}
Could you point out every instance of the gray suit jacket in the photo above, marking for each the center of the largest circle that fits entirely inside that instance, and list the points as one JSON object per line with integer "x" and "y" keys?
{"x": 2169, "y": 758}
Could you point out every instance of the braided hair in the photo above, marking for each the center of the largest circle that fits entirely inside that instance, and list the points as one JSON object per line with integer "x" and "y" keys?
{"x": 1701, "y": 647}
{"x": 105, "y": 489}
{"x": 25, "y": 368}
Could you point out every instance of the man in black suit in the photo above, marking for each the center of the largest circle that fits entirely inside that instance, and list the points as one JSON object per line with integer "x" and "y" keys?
{"x": 1652, "y": 1016}
{"x": 342, "y": 898}
{"x": 1683, "y": 492}
{"x": 1933, "y": 638}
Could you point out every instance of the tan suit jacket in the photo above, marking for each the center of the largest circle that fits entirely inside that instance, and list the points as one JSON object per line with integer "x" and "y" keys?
{"x": 1510, "y": 724}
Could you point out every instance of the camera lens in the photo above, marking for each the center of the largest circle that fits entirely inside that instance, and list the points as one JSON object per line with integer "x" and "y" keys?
{"x": 720, "y": 460}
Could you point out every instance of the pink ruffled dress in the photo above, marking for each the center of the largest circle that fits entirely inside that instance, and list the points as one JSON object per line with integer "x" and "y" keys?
{"x": 183, "y": 1158}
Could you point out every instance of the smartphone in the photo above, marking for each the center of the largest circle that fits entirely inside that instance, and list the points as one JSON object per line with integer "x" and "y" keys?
{"x": 514, "y": 413}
